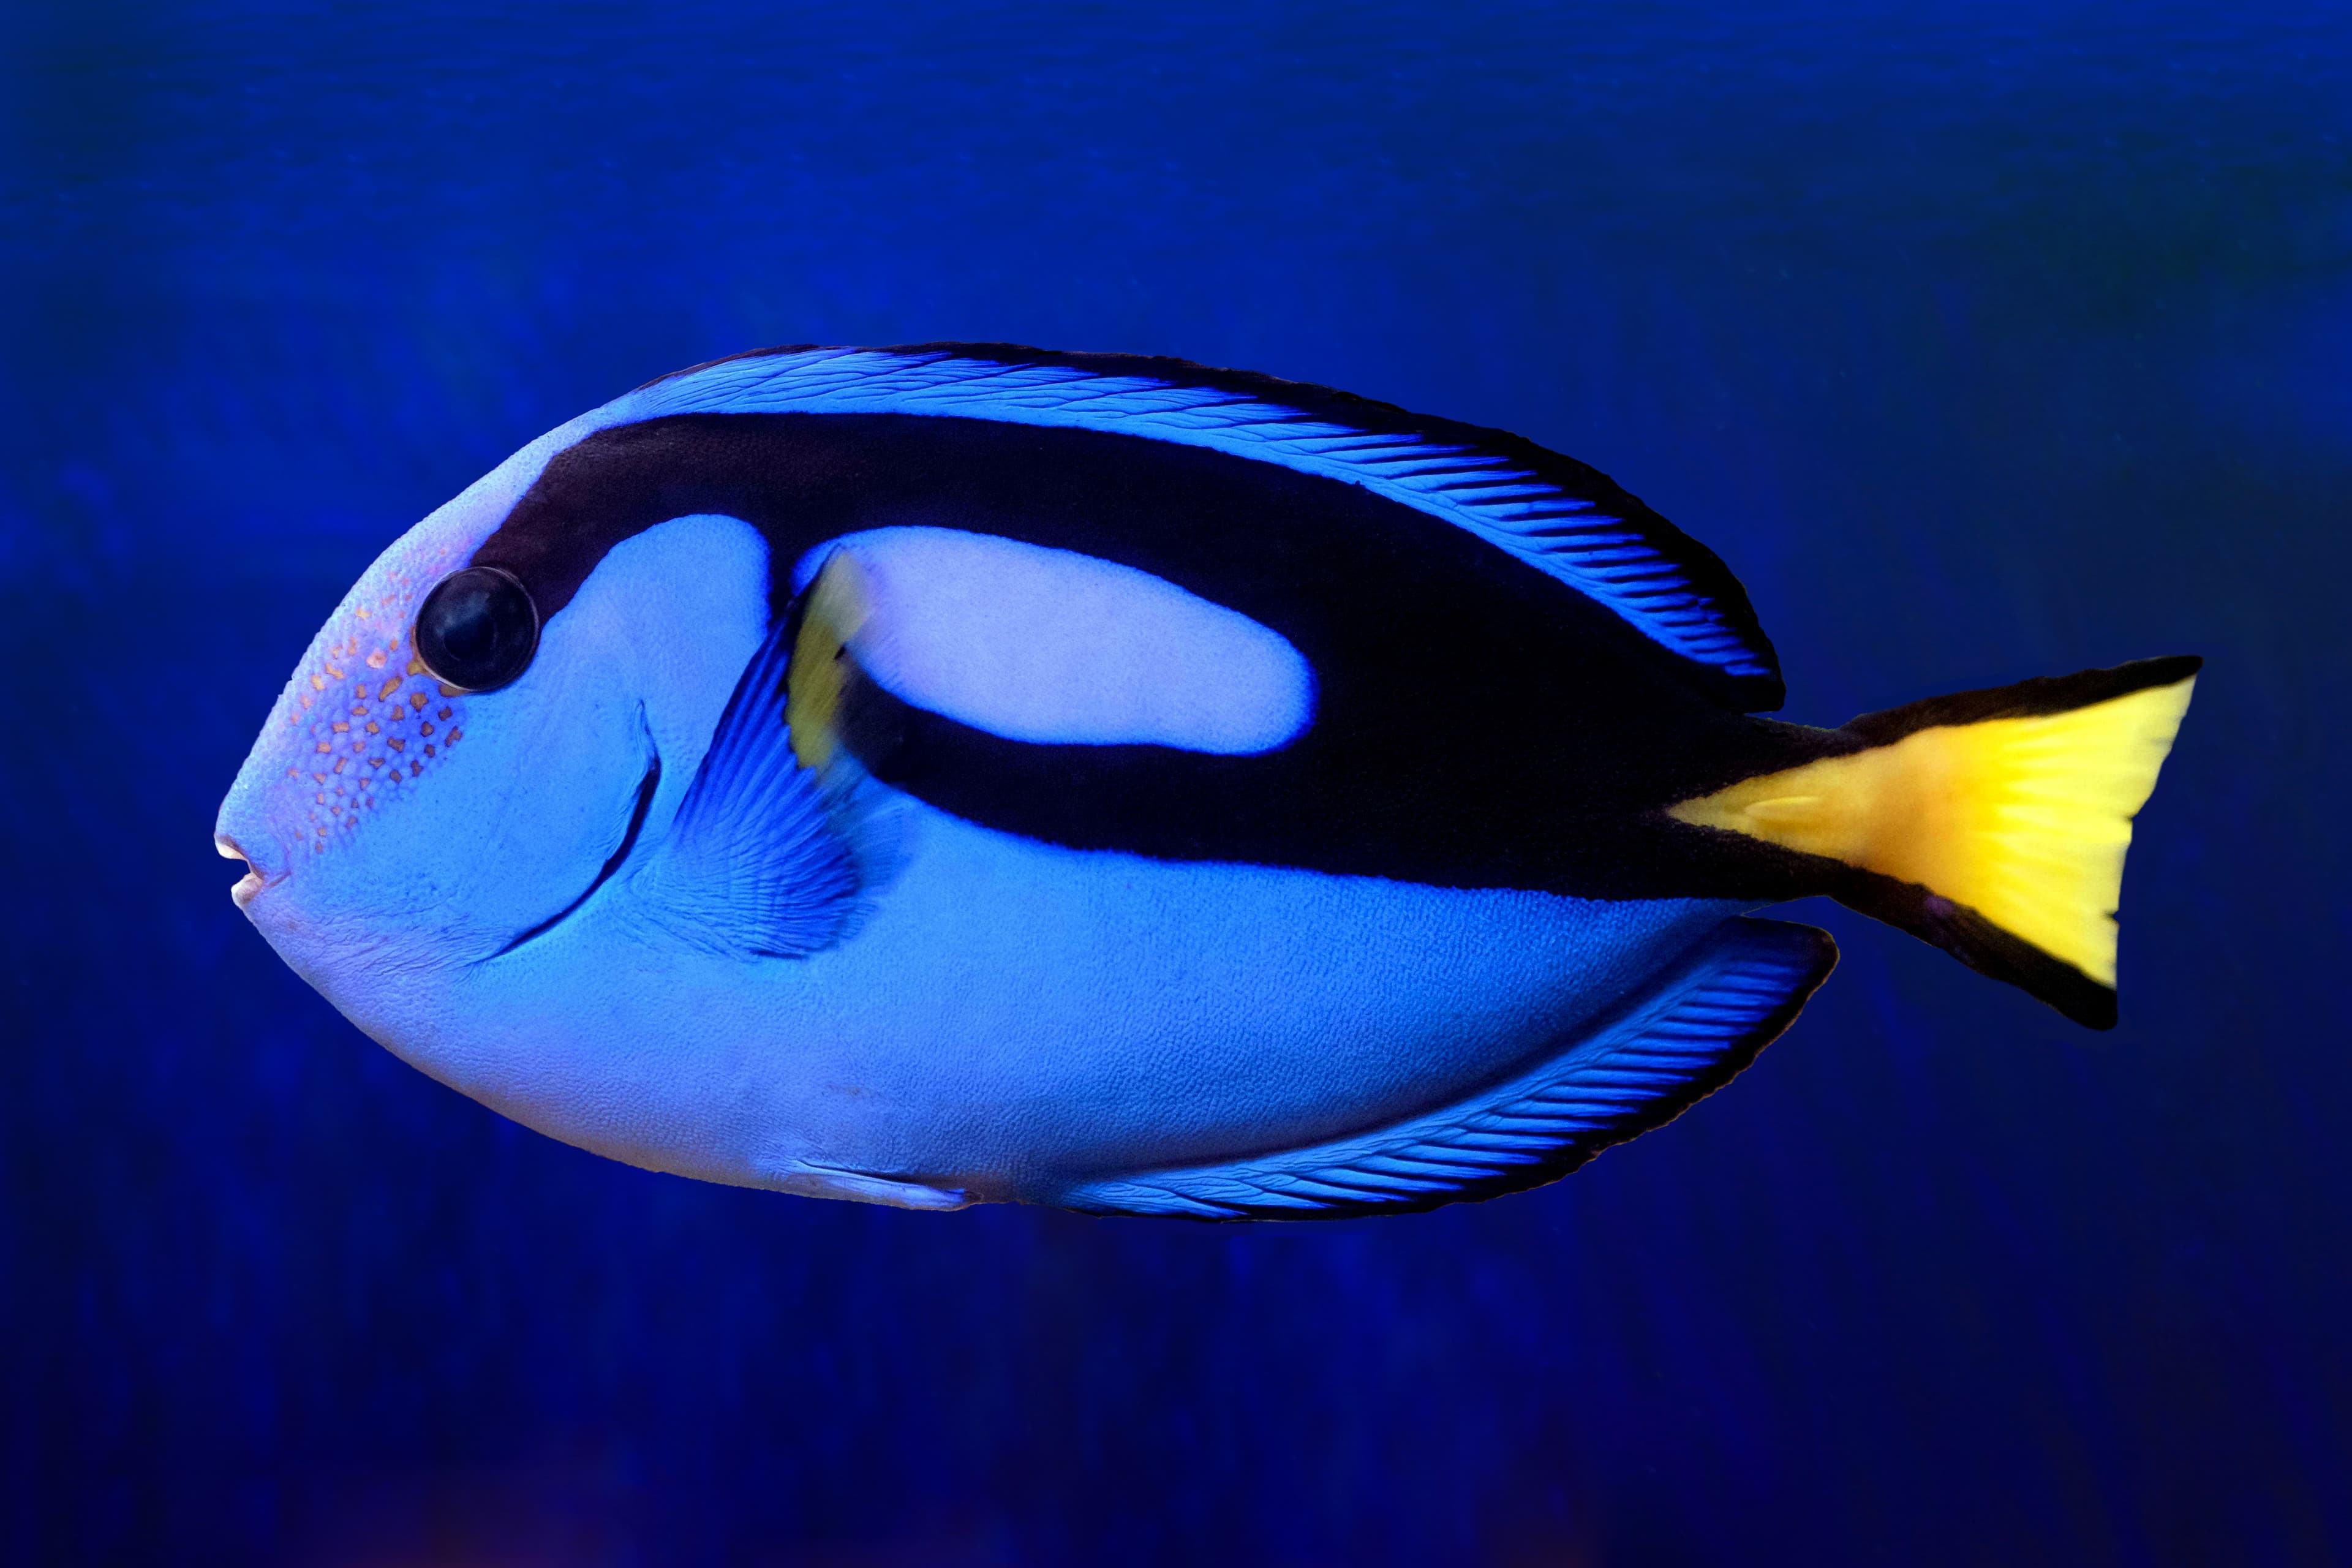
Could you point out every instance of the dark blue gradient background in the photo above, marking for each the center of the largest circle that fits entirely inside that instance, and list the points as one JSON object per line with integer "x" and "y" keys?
{"x": 1984, "y": 342}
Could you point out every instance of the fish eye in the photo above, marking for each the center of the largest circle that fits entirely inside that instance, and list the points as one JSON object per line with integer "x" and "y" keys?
{"x": 478, "y": 629}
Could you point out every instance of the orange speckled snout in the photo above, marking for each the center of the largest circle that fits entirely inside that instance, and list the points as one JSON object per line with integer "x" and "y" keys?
{"x": 367, "y": 737}
{"x": 363, "y": 719}
{"x": 360, "y": 721}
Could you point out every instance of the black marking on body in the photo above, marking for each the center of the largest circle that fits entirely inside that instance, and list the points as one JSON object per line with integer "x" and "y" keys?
{"x": 1479, "y": 722}
{"x": 1701, "y": 568}
{"x": 2035, "y": 699}
{"x": 1978, "y": 943}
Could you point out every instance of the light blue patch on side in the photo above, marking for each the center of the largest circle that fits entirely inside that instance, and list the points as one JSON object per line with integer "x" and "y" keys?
{"x": 1056, "y": 647}
{"x": 1686, "y": 1038}
{"x": 1607, "y": 559}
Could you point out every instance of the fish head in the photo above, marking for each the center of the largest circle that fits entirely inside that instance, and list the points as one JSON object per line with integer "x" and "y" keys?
{"x": 400, "y": 831}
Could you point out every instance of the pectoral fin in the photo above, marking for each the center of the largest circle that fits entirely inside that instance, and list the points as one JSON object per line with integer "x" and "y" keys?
{"x": 765, "y": 860}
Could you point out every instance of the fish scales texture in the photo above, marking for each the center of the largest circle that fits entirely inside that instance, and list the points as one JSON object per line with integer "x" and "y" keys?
{"x": 971, "y": 772}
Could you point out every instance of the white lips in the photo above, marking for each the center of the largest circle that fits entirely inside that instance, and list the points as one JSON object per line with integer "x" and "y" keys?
{"x": 248, "y": 886}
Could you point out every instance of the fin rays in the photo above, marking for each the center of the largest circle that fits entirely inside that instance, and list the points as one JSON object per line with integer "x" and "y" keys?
{"x": 756, "y": 864}
{"x": 2014, "y": 806}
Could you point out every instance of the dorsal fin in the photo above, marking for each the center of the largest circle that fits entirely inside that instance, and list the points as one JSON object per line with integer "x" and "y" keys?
{"x": 1684, "y": 1040}
{"x": 1552, "y": 512}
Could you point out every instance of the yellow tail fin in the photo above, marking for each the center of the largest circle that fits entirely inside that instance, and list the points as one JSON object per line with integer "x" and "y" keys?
{"x": 1998, "y": 819}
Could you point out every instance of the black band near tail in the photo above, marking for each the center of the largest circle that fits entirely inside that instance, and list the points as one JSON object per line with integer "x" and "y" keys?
{"x": 2027, "y": 699}
{"x": 1980, "y": 944}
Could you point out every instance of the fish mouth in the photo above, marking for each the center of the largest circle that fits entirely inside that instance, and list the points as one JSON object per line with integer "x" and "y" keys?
{"x": 249, "y": 886}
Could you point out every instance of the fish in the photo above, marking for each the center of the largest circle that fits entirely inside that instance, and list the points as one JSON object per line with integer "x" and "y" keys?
{"x": 966, "y": 773}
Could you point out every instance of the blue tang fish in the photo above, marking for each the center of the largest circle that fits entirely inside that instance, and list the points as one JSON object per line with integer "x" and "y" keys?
{"x": 966, "y": 773}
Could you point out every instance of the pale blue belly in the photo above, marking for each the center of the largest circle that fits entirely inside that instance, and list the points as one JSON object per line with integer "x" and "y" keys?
{"x": 1013, "y": 1014}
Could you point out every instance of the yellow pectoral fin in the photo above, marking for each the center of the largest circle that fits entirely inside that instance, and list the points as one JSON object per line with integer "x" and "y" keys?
{"x": 2024, "y": 820}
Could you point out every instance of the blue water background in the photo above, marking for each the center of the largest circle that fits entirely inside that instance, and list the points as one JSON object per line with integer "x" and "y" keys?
{"x": 1984, "y": 341}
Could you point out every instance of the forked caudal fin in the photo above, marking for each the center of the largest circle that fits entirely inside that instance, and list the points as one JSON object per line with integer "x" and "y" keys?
{"x": 1992, "y": 824}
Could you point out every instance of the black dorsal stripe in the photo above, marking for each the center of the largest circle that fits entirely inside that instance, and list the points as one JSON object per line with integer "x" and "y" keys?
{"x": 1757, "y": 688}
{"x": 1477, "y": 723}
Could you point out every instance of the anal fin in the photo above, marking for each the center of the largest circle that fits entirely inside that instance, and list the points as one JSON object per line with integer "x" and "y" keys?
{"x": 1684, "y": 1039}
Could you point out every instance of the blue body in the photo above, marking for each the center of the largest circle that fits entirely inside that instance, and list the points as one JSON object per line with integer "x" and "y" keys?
{"x": 1985, "y": 341}
{"x": 1013, "y": 1017}
{"x": 767, "y": 965}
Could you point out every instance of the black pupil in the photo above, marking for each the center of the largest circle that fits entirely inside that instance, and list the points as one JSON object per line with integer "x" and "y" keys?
{"x": 477, "y": 629}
